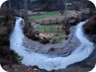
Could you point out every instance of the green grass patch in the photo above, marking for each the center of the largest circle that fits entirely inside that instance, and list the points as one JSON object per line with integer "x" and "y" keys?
{"x": 48, "y": 28}
{"x": 52, "y": 28}
{"x": 59, "y": 38}
{"x": 44, "y": 15}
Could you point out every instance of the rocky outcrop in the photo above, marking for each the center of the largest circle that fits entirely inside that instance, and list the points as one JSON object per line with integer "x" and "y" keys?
{"x": 29, "y": 30}
{"x": 72, "y": 21}
{"x": 90, "y": 28}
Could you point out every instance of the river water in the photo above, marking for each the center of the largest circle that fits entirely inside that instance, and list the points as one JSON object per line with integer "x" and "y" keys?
{"x": 31, "y": 58}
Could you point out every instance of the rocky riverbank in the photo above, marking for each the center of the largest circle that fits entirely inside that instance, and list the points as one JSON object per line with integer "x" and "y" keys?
{"x": 60, "y": 49}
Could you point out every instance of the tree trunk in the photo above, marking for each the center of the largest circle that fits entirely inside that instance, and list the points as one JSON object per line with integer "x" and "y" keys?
{"x": 25, "y": 8}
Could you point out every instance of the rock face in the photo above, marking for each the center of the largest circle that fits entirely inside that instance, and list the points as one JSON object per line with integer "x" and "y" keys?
{"x": 90, "y": 28}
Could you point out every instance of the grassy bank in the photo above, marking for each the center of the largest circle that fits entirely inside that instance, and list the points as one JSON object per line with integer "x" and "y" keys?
{"x": 44, "y": 15}
{"x": 48, "y": 28}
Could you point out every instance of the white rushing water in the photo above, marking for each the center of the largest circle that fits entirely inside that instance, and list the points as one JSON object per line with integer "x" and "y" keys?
{"x": 31, "y": 58}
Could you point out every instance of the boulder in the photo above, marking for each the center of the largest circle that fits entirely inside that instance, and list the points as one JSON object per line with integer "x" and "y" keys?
{"x": 90, "y": 26}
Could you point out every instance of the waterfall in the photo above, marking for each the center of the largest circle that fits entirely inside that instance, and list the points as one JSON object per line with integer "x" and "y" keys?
{"x": 31, "y": 58}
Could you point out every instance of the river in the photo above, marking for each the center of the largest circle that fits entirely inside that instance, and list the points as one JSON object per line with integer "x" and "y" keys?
{"x": 31, "y": 58}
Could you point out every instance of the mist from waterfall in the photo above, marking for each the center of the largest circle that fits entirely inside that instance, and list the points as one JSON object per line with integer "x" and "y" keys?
{"x": 31, "y": 58}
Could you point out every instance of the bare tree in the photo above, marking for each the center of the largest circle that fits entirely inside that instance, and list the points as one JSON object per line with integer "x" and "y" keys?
{"x": 9, "y": 4}
{"x": 63, "y": 7}
{"x": 65, "y": 13}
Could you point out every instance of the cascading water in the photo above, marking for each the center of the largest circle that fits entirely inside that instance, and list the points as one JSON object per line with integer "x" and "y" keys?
{"x": 31, "y": 58}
